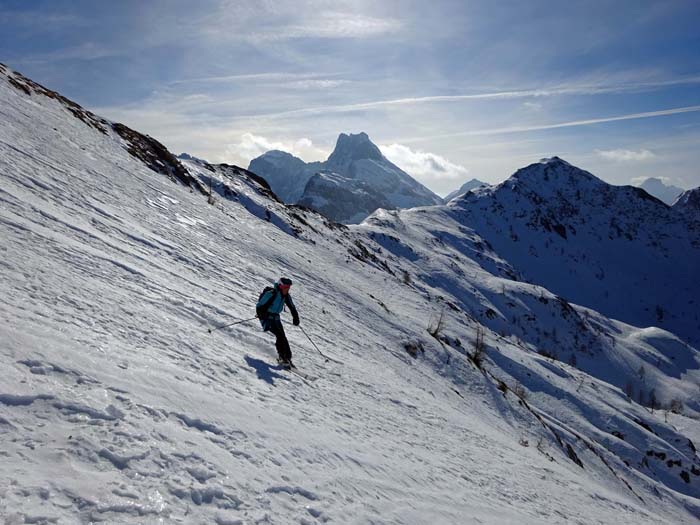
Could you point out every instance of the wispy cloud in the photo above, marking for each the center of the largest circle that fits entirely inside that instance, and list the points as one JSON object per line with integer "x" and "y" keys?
{"x": 258, "y": 77}
{"x": 265, "y": 23}
{"x": 573, "y": 123}
{"x": 333, "y": 25}
{"x": 638, "y": 181}
{"x": 588, "y": 122}
{"x": 250, "y": 146}
{"x": 316, "y": 83}
{"x": 85, "y": 51}
{"x": 428, "y": 168}
{"x": 625, "y": 155}
{"x": 495, "y": 95}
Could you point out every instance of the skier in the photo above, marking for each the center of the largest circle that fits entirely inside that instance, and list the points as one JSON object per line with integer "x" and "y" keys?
{"x": 269, "y": 307}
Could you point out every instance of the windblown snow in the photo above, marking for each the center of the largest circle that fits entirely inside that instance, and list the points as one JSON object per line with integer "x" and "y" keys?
{"x": 465, "y": 396}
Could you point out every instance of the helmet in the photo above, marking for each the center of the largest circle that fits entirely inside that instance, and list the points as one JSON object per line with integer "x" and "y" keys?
{"x": 284, "y": 283}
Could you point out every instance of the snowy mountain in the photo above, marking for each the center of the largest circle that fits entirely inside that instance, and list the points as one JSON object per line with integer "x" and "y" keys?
{"x": 467, "y": 186}
{"x": 465, "y": 395}
{"x": 688, "y": 202}
{"x": 342, "y": 199}
{"x": 353, "y": 182}
{"x": 187, "y": 156}
{"x": 664, "y": 192}
{"x": 614, "y": 249}
{"x": 286, "y": 174}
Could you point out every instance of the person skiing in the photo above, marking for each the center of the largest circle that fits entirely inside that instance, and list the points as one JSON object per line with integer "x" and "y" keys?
{"x": 269, "y": 307}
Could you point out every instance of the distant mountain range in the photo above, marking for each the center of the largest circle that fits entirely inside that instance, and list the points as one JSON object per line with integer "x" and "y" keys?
{"x": 664, "y": 192}
{"x": 467, "y": 186}
{"x": 353, "y": 182}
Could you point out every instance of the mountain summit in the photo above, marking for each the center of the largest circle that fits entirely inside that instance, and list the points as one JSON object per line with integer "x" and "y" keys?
{"x": 355, "y": 180}
{"x": 350, "y": 148}
{"x": 615, "y": 249}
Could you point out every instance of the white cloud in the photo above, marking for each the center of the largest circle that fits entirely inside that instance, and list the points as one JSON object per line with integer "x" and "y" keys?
{"x": 271, "y": 78}
{"x": 624, "y": 155}
{"x": 316, "y": 84}
{"x": 331, "y": 24}
{"x": 638, "y": 181}
{"x": 251, "y": 146}
{"x": 426, "y": 167}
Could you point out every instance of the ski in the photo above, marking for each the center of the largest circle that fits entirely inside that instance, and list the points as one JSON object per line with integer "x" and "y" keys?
{"x": 294, "y": 370}
{"x": 290, "y": 367}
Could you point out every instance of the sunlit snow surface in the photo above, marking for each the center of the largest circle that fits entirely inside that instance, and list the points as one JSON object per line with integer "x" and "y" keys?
{"x": 117, "y": 404}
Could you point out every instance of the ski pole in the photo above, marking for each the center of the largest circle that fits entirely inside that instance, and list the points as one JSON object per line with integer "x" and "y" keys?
{"x": 316, "y": 347}
{"x": 231, "y": 324}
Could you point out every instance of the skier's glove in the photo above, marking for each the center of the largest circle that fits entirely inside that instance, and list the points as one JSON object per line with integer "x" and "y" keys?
{"x": 295, "y": 321}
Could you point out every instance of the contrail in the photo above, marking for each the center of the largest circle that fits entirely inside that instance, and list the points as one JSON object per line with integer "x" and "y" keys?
{"x": 573, "y": 123}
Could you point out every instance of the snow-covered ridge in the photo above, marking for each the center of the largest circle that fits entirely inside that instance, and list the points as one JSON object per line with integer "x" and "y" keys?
{"x": 117, "y": 404}
{"x": 688, "y": 202}
{"x": 143, "y": 147}
{"x": 464, "y": 188}
{"x": 615, "y": 249}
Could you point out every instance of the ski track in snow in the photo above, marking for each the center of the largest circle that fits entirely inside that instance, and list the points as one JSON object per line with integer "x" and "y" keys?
{"x": 116, "y": 405}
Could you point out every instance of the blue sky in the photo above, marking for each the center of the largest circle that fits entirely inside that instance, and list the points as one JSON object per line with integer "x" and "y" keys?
{"x": 450, "y": 90}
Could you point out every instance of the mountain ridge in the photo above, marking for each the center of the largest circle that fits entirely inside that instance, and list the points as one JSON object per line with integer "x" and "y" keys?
{"x": 560, "y": 225}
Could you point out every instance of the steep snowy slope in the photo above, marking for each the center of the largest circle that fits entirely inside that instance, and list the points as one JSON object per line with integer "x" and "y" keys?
{"x": 689, "y": 203}
{"x": 354, "y": 181}
{"x": 614, "y": 249}
{"x": 117, "y": 405}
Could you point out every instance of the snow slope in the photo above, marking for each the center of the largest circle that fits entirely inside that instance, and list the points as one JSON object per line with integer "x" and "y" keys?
{"x": 689, "y": 203}
{"x": 118, "y": 405}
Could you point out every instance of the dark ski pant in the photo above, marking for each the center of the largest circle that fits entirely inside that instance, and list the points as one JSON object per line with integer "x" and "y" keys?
{"x": 274, "y": 325}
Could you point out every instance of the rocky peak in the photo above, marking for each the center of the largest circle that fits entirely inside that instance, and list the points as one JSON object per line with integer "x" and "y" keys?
{"x": 656, "y": 187}
{"x": 351, "y": 147}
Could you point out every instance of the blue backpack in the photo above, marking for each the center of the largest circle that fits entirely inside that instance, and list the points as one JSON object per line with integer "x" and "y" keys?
{"x": 261, "y": 309}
